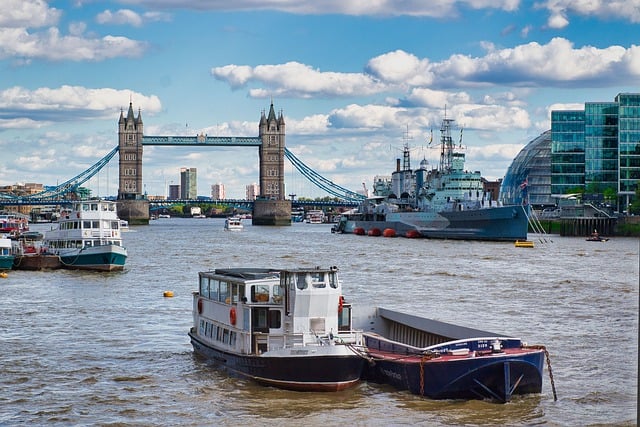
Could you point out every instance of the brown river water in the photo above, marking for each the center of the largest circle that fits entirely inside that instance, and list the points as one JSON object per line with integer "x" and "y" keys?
{"x": 85, "y": 348}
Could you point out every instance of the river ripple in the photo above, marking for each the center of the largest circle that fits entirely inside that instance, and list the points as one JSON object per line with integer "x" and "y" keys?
{"x": 81, "y": 348}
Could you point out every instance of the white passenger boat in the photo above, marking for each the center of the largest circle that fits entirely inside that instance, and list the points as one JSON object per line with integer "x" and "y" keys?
{"x": 284, "y": 328}
{"x": 88, "y": 237}
{"x": 233, "y": 223}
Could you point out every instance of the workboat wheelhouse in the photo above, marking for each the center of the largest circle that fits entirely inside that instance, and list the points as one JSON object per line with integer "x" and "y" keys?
{"x": 285, "y": 328}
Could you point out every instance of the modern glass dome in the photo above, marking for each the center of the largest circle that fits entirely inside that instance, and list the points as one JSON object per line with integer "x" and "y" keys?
{"x": 532, "y": 164}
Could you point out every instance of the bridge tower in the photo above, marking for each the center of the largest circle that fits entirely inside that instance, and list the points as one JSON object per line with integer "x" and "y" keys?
{"x": 271, "y": 208}
{"x": 132, "y": 203}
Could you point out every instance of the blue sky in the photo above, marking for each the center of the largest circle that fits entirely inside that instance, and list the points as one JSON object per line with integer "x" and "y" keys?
{"x": 353, "y": 78}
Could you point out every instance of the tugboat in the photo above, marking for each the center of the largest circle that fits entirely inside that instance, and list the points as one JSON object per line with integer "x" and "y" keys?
{"x": 284, "y": 328}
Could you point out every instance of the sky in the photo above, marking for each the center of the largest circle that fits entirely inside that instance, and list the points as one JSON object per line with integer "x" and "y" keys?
{"x": 354, "y": 79}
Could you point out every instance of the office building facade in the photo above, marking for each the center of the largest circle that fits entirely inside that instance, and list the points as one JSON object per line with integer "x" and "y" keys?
{"x": 188, "y": 183}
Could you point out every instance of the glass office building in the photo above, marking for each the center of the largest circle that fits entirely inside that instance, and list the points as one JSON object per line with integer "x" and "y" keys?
{"x": 594, "y": 149}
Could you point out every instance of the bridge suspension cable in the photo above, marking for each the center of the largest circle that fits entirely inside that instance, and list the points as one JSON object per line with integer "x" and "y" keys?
{"x": 75, "y": 182}
{"x": 322, "y": 182}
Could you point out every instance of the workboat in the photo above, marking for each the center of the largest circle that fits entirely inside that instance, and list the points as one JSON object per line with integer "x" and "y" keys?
{"x": 31, "y": 253}
{"x": 446, "y": 202}
{"x": 88, "y": 237}
{"x": 6, "y": 257}
{"x": 233, "y": 223}
{"x": 440, "y": 360}
{"x": 285, "y": 328}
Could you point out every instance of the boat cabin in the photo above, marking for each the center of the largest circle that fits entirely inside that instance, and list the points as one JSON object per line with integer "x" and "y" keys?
{"x": 252, "y": 311}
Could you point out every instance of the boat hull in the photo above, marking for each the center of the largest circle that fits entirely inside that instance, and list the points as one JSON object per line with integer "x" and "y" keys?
{"x": 471, "y": 373}
{"x": 99, "y": 258}
{"x": 6, "y": 262}
{"x": 299, "y": 372}
{"x": 505, "y": 223}
{"x": 36, "y": 262}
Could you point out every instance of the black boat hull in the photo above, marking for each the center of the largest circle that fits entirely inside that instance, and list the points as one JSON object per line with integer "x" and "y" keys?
{"x": 300, "y": 372}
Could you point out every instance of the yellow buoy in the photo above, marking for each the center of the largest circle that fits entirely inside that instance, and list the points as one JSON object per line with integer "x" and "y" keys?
{"x": 4, "y": 274}
{"x": 168, "y": 294}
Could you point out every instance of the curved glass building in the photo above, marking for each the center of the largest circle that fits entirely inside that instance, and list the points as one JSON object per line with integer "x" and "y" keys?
{"x": 531, "y": 167}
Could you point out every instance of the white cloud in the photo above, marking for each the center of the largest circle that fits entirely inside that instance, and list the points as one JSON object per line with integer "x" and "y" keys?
{"x": 119, "y": 17}
{"x": 69, "y": 103}
{"x": 436, "y": 9}
{"x": 27, "y": 13}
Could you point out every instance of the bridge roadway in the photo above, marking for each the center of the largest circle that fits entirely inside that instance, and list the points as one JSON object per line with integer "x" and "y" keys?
{"x": 247, "y": 204}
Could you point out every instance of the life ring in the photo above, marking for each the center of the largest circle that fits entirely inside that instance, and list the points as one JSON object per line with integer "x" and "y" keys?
{"x": 340, "y": 303}
{"x": 199, "y": 305}
{"x": 232, "y": 315}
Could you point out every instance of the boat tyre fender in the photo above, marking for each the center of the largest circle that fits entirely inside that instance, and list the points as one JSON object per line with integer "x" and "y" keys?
{"x": 199, "y": 305}
{"x": 232, "y": 315}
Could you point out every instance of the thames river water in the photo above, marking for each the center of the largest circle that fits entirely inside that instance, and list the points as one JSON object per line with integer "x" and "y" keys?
{"x": 86, "y": 348}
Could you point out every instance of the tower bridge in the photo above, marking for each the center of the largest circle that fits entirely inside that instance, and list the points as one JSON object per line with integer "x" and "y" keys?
{"x": 270, "y": 208}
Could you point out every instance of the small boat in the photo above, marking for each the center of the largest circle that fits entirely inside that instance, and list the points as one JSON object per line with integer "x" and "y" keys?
{"x": 164, "y": 216}
{"x": 440, "y": 360}
{"x": 31, "y": 253}
{"x": 524, "y": 244}
{"x": 315, "y": 216}
{"x": 6, "y": 256}
{"x": 233, "y": 223}
{"x": 289, "y": 329}
{"x": 124, "y": 225}
{"x": 596, "y": 237}
{"x": 88, "y": 237}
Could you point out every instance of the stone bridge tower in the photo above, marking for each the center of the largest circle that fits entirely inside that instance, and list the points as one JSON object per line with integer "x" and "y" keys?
{"x": 271, "y": 208}
{"x": 132, "y": 203}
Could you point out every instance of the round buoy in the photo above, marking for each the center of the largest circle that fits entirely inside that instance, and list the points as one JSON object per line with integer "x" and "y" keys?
{"x": 168, "y": 294}
{"x": 389, "y": 232}
{"x": 374, "y": 232}
{"x": 359, "y": 231}
{"x": 3, "y": 274}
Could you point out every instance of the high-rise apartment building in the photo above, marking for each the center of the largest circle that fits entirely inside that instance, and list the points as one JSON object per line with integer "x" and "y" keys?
{"x": 188, "y": 183}
{"x": 252, "y": 191}
{"x": 218, "y": 192}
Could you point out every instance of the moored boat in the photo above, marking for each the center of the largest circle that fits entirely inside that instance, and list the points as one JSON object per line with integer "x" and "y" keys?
{"x": 13, "y": 223}
{"x": 440, "y": 360}
{"x": 233, "y": 223}
{"x": 285, "y": 328}
{"x": 31, "y": 253}
{"x": 447, "y": 202}
{"x": 6, "y": 257}
{"x": 88, "y": 237}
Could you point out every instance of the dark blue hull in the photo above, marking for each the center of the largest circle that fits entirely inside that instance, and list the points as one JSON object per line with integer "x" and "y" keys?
{"x": 300, "y": 373}
{"x": 505, "y": 223}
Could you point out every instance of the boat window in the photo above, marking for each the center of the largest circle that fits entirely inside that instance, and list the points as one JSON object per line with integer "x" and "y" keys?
{"x": 213, "y": 289}
{"x": 86, "y": 224}
{"x": 333, "y": 280}
{"x": 344, "y": 319}
{"x": 232, "y": 338}
{"x": 234, "y": 293}
{"x": 241, "y": 293}
{"x": 276, "y": 293}
{"x": 204, "y": 286}
{"x": 317, "y": 279}
{"x": 225, "y": 336}
{"x": 260, "y": 293}
{"x": 95, "y": 224}
{"x": 303, "y": 280}
{"x": 85, "y": 207}
{"x": 115, "y": 225}
{"x": 275, "y": 319}
{"x": 94, "y": 207}
{"x": 223, "y": 293}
